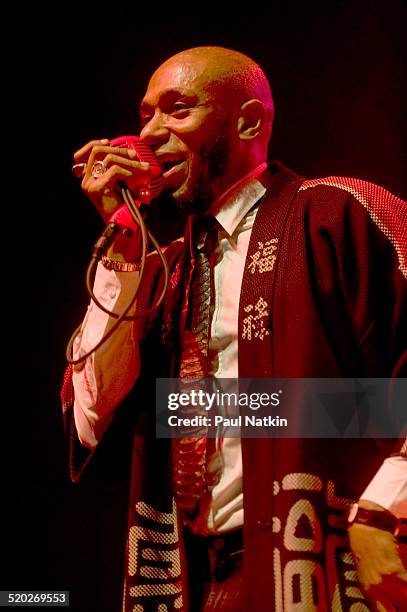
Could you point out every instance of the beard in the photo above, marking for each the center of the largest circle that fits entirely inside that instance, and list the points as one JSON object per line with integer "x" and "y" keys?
{"x": 214, "y": 159}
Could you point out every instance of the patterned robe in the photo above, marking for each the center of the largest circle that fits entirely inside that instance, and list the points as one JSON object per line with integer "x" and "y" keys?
{"x": 324, "y": 294}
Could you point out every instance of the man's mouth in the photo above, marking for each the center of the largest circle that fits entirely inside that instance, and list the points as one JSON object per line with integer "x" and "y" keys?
{"x": 174, "y": 169}
{"x": 171, "y": 166}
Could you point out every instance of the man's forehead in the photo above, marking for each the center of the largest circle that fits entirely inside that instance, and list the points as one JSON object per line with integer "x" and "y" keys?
{"x": 178, "y": 74}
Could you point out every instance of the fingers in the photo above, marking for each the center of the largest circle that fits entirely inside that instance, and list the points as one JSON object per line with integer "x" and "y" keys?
{"x": 118, "y": 163}
{"x": 114, "y": 157}
{"x": 108, "y": 182}
{"x": 105, "y": 181}
{"x": 94, "y": 147}
{"x": 398, "y": 590}
{"x": 138, "y": 172}
{"x": 98, "y": 150}
{"x": 402, "y": 574}
{"x": 382, "y": 575}
{"x": 383, "y": 605}
{"x": 83, "y": 153}
{"x": 391, "y": 593}
{"x": 94, "y": 151}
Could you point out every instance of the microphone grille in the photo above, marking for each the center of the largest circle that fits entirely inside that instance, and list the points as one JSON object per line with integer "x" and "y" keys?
{"x": 144, "y": 154}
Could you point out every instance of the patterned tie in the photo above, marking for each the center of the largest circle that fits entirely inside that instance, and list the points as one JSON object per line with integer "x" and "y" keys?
{"x": 191, "y": 452}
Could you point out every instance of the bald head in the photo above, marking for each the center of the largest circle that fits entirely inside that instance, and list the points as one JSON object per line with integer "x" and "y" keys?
{"x": 207, "y": 115}
{"x": 231, "y": 76}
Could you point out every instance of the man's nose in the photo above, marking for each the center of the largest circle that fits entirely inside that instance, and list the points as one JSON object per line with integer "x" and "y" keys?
{"x": 155, "y": 133}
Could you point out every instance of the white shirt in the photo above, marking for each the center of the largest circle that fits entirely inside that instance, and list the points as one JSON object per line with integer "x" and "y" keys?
{"x": 110, "y": 373}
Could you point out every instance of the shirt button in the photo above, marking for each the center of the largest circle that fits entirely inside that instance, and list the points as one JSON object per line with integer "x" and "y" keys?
{"x": 112, "y": 293}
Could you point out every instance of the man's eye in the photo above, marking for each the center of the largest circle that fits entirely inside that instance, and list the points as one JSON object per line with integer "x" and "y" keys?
{"x": 179, "y": 108}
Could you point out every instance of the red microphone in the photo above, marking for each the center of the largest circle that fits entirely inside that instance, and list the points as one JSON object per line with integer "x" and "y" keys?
{"x": 144, "y": 194}
{"x": 143, "y": 154}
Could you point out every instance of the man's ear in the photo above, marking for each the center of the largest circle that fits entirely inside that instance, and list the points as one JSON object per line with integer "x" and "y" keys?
{"x": 251, "y": 119}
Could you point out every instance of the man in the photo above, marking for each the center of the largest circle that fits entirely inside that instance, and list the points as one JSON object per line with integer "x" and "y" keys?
{"x": 308, "y": 280}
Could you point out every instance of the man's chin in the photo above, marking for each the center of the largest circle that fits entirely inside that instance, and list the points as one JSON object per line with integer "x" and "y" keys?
{"x": 192, "y": 206}
{"x": 195, "y": 194}
{"x": 190, "y": 201}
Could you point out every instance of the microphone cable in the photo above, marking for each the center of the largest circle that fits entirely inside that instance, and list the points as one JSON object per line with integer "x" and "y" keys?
{"x": 100, "y": 247}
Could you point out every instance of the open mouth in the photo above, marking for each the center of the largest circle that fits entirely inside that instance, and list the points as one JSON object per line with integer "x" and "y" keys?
{"x": 170, "y": 165}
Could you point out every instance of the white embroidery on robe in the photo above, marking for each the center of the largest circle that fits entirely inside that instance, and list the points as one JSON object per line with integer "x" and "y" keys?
{"x": 154, "y": 557}
{"x": 264, "y": 259}
{"x": 254, "y": 323}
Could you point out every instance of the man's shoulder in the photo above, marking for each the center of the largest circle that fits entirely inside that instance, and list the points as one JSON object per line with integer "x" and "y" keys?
{"x": 344, "y": 205}
{"x": 341, "y": 197}
{"x": 336, "y": 192}
{"x": 368, "y": 194}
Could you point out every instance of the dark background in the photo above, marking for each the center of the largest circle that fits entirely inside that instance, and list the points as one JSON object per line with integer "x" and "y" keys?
{"x": 337, "y": 71}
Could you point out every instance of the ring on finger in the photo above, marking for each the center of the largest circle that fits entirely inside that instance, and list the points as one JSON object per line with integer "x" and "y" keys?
{"x": 98, "y": 169}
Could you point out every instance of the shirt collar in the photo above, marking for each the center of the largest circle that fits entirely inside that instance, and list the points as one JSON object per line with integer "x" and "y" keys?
{"x": 232, "y": 206}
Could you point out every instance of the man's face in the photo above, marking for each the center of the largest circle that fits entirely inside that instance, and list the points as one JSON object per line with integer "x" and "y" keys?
{"x": 186, "y": 125}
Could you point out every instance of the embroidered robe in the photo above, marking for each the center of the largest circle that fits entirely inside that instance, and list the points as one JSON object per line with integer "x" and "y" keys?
{"x": 324, "y": 294}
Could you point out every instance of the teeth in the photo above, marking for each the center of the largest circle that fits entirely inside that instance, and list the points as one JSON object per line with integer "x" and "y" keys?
{"x": 170, "y": 164}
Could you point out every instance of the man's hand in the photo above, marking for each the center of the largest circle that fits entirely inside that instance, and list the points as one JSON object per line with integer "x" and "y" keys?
{"x": 121, "y": 165}
{"x": 382, "y": 574}
{"x": 105, "y": 192}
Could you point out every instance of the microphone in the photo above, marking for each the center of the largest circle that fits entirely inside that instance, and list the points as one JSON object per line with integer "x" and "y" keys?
{"x": 143, "y": 154}
{"x": 125, "y": 219}
{"x": 144, "y": 195}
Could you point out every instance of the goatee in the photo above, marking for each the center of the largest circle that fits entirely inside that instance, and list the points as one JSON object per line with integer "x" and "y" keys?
{"x": 214, "y": 164}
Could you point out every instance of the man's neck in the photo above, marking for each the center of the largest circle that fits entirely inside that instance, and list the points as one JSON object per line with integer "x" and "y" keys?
{"x": 258, "y": 173}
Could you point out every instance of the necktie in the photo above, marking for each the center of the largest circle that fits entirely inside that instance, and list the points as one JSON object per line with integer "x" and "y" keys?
{"x": 191, "y": 452}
